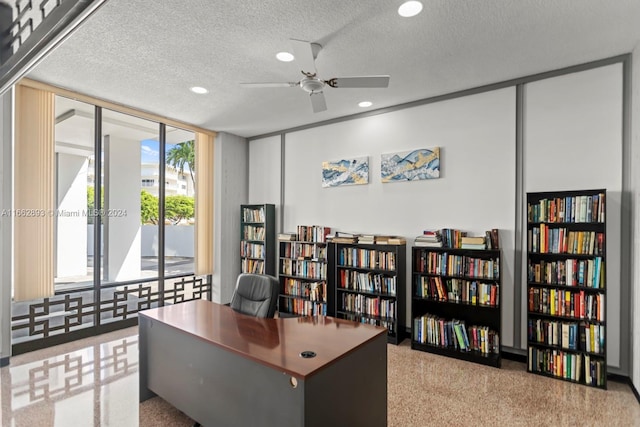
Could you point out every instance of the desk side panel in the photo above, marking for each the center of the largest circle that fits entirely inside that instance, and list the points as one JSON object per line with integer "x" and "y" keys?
{"x": 143, "y": 372}
{"x": 214, "y": 386}
{"x": 351, "y": 391}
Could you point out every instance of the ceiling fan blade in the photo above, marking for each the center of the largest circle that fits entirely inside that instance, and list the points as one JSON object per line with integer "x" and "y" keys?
{"x": 364, "y": 81}
{"x": 303, "y": 52}
{"x": 289, "y": 84}
{"x": 318, "y": 102}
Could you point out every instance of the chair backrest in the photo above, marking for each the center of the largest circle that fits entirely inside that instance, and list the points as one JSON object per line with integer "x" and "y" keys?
{"x": 256, "y": 295}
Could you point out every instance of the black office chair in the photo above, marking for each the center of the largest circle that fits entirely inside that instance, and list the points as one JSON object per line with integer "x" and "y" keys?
{"x": 255, "y": 295}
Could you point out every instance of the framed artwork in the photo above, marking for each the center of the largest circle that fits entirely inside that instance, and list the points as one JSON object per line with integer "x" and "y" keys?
{"x": 423, "y": 163}
{"x": 345, "y": 172}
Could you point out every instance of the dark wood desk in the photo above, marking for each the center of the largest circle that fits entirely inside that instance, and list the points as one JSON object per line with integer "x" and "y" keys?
{"x": 223, "y": 368}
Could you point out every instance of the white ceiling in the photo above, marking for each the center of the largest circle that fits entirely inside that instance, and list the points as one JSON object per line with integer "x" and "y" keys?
{"x": 148, "y": 53}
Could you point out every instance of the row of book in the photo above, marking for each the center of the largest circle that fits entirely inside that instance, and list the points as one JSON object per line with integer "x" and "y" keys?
{"x": 314, "y": 291}
{"x": 303, "y": 250}
{"x": 547, "y": 240}
{"x": 456, "y": 265}
{"x": 251, "y": 232}
{"x": 367, "y": 258}
{"x": 252, "y": 266}
{"x": 370, "y": 239}
{"x": 367, "y": 282}
{"x": 253, "y": 250}
{"x": 390, "y": 325}
{"x": 436, "y": 331}
{"x": 366, "y": 239}
{"x": 451, "y": 238}
{"x": 371, "y": 306}
{"x": 579, "y": 336}
{"x": 569, "y": 272}
{"x": 302, "y": 307}
{"x": 303, "y": 268}
{"x": 253, "y": 215}
{"x": 584, "y": 368}
{"x": 568, "y": 209}
{"x": 457, "y": 290}
{"x": 313, "y": 233}
{"x": 565, "y": 303}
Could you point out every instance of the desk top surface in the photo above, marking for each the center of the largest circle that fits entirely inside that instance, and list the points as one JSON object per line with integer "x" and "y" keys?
{"x": 273, "y": 342}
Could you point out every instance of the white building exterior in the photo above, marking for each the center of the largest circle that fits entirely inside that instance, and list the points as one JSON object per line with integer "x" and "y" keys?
{"x": 176, "y": 183}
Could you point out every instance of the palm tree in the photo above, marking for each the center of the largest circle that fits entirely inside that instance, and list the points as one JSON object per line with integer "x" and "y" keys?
{"x": 181, "y": 154}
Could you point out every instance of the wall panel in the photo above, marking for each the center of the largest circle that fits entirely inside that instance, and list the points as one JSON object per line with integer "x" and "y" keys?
{"x": 475, "y": 191}
{"x": 573, "y": 141}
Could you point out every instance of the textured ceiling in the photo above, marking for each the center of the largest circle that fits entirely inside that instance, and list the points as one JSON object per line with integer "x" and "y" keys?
{"x": 148, "y": 53}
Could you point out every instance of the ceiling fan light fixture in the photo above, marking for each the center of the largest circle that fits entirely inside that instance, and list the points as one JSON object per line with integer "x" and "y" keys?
{"x": 409, "y": 9}
{"x": 284, "y": 56}
{"x": 199, "y": 90}
{"x": 365, "y": 104}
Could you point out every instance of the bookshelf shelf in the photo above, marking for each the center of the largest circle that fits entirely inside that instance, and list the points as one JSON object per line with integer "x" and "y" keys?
{"x": 456, "y": 303}
{"x": 566, "y": 318}
{"x": 302, "y": 272}
{"x": 373, "y": 294}
{"x": 455, "y": 312}
{"x": 452, "y": 276}
{"x": 568, "y": 350}
{"x": 491, "y": 359}
{"x": 565, "y": 287}
{"x": 571, "y": 312}
{"x": 258, "y": 239}
{"x": 369, "y": 282}
{"x": 557, "y": 256}
{"x": 367, "y": 316}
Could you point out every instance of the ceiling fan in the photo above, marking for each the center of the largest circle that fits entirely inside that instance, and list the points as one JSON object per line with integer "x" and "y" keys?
{"x": 305, "y": 54}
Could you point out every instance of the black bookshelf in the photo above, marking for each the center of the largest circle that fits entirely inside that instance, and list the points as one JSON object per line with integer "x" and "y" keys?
{"x": 455, "y": 303}
{"x": 258, "y": 239}
{"x": 369, "y": 282}
{"x": 566, "y": 286}
{"x": 302, "y": 272}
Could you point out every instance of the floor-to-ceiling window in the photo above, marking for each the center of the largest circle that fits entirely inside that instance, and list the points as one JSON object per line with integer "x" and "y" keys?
{"x": 122, "y": 214}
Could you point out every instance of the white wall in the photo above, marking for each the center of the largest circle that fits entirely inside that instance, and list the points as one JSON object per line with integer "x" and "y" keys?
{"x": 475, "y": 191}
{"x": 71, "y": 239}
{"x": 231, "y": 156}
{"x": 635, "y": 187}
{"x": 264, "y": 170}
{"x": 573, "y": 141}
{"x": 265, "y": 162}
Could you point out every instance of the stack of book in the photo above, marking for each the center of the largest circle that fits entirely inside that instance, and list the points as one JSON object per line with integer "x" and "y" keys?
{"x": 381, "y": 239}
{"x": 368, "y": 239}
{"x": 432, "y": 239}
{"x": 391, "y": 240}
{"x": 342, "y": 237}
{"x": 287, "y": 237}
{"x": 473, "y": 243}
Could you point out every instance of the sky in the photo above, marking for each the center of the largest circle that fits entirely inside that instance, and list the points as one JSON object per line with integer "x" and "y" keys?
{"x": 149, "y": 150}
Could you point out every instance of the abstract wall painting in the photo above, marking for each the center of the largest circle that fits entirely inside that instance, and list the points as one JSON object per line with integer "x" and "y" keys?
{"x": 345, "y": 172}
{"x": 412, "y": 165}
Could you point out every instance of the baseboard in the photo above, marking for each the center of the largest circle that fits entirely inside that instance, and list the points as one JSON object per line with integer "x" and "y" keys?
{"x": 4, "y": 361}
{"x": 634, "y": 389}
{"x": 522, "y": 358}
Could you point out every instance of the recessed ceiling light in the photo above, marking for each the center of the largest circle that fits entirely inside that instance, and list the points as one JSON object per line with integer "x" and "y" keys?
{"x": 364, "y": 104}
{"x": 410, "y": 8}
{"x": 284, "y": 56}
{"x": 199, "y": 90}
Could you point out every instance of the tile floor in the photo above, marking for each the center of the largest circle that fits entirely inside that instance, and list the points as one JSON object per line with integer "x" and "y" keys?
{"x": 94, "y": 382}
